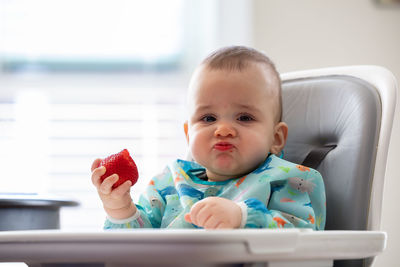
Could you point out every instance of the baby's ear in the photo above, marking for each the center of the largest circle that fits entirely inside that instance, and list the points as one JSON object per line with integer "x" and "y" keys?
{"x": 280, "y": 136}
{"x": 186, "y": 129}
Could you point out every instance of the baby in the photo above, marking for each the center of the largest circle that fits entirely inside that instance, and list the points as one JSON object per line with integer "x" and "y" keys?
{"x": 237, "y": 178}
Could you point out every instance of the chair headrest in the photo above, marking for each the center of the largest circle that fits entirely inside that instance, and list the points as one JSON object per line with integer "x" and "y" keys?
{"x": 343, "y": 111}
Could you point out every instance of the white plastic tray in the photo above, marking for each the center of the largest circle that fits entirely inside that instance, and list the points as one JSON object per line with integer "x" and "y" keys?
{"x": 149, "y": 246}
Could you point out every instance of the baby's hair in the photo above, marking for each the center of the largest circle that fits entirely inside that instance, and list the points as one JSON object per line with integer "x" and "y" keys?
{"x": 237, "y": 58}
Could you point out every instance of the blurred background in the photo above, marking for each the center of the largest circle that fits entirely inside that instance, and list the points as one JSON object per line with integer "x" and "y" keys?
{"x": 85, "y": 79}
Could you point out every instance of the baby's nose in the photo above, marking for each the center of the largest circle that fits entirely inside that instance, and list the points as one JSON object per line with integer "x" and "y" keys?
{"x": 225, "y": 129}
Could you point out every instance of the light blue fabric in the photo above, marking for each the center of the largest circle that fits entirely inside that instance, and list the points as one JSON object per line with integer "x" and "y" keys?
{"x": 278, "y": 194}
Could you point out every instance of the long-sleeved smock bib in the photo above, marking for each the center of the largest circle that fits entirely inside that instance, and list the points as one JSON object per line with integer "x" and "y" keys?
{"x": 278, "y": 194}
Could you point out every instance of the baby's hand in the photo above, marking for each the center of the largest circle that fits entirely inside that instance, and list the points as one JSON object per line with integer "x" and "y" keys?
{"x": 117, "y": 202}
{"x": 215, "y": 213}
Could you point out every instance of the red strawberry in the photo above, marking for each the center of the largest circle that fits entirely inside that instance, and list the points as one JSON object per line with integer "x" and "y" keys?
{"x": 121, "y": 164}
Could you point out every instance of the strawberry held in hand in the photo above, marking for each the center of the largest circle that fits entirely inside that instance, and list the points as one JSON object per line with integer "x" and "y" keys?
{"x": 121, "y": 164}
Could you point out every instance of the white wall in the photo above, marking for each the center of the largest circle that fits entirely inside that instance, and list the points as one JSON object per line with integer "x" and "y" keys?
{"x": 306, "y": 34}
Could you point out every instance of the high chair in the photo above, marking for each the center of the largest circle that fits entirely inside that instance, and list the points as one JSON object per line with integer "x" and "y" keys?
{"x": 340, "y": 122}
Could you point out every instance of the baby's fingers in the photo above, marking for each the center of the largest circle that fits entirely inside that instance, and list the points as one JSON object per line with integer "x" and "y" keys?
{"x": 195, "y": 211}
{"x": 188, "y": 218}
{"x": 211, "y": 222}
{"x": 106, "y": 185}
{"x": 95, "y": 164}
{"x": 96, "y": 174}
{"x": 122, "y": 189}
{"x": 223, "y": 225}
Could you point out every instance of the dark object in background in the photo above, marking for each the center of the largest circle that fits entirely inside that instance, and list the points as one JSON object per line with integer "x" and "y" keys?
{"x": 31, "y": 211}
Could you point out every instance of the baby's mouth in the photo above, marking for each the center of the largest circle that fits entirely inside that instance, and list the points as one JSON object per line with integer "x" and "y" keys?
{"x": 223, "y": 146}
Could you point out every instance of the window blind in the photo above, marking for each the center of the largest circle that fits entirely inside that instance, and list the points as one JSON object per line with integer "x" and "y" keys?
{"x": 49, "y": 138}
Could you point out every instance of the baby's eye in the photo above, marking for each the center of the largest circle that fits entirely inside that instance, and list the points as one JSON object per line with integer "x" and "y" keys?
{"x": 245, "y": 118}
{"x": 208, "y": 118}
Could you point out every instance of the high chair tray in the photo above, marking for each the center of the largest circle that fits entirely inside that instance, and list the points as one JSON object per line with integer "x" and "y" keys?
{"x": 190, "y": 246}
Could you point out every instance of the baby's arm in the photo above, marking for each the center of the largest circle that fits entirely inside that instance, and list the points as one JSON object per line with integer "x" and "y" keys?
{"x": 117, "y": 203}
{"x": 215, "y": 213}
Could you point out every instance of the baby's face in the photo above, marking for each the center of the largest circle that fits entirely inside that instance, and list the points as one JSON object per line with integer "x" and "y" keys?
{"x": 232, "y": 123}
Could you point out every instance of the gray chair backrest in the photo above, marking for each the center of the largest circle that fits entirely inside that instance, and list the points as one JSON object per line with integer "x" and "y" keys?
{"x": 344, "y": 111}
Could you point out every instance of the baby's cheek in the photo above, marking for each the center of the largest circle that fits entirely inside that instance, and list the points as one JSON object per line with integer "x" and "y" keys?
{"x": 257, "y": 151}
{"x": 197, "y": 148}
